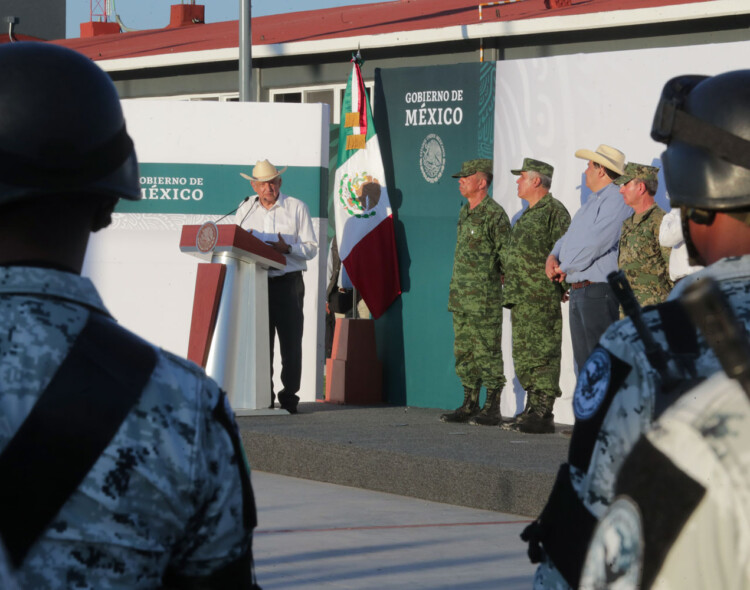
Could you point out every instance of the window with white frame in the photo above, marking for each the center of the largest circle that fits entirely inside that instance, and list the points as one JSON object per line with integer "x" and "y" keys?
{"x": 332, "y": 95}
{"x": 216, "y": 97}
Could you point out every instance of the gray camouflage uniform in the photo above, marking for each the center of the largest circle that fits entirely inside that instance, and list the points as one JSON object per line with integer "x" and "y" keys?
{"x": 167, "y": 491}
{"x": 619, "y": 371}
{"x": 7, "y": 579}
{"x": 699, "y": 446}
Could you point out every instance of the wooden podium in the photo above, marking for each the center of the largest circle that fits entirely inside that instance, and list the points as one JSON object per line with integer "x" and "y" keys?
{"x": 229, "y": 327}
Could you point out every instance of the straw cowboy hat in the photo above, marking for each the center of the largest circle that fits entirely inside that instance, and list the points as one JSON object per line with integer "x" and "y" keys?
{"x": 263, "y": 171}
{"x": 606, "y": 156}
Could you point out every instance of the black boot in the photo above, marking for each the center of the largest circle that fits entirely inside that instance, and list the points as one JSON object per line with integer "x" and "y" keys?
{"x": 489, "y": 415}
{"x": 537, "y": 418}
{"x": 533, "y": 423}
{"x": 468, "y": 409}
{"x": 526, "y": 410}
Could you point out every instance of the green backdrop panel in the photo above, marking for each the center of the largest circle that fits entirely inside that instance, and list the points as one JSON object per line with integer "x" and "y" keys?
{"x": 429, "y": 120}
{"x": 207, "y": 189}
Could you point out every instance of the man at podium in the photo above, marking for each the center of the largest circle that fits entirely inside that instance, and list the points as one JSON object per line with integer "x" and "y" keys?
{"x": 284, "y": 223}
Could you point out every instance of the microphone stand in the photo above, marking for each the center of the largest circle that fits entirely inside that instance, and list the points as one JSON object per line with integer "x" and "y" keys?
{"x": 233, "y": 210}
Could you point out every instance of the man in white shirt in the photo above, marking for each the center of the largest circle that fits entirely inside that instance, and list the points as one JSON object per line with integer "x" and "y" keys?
{"x": 284, "y": 223}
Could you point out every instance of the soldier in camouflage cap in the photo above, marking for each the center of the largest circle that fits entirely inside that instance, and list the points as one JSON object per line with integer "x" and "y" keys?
{"x": 471, "y": 167}
{"x": 476, "y": 296}
{"x": 533, "y": 299}
{"x": 649, "y": 175}
{"x": 644, "y": 262}
{"x": 163, "y": 497}
{"x": 532, "y": 165}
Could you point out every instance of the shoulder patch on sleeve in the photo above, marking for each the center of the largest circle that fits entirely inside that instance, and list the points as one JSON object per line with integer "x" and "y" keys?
{"x": 593, "y": 383}
{"x": 599, "y": 381}
{"x": 615, "y": 554}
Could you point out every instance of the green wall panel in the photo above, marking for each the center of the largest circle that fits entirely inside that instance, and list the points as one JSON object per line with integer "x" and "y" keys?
{"x": 212, "y": 189}
{"x": 429, "y": 121}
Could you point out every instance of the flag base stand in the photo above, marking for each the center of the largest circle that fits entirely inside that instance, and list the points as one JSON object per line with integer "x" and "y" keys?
{"x": 354, "y": 375}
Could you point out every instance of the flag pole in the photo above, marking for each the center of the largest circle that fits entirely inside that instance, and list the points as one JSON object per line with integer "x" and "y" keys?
{"x": 246, "y": 51}
{"x": 364, "y": 219}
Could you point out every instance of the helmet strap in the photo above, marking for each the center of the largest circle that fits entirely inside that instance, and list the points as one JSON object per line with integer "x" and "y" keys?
{"x": 672, "y": 122}
{"x": 694, "y": 257}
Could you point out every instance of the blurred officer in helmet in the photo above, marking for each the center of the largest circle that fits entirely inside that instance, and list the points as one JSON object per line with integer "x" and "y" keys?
{"x": 621, "y": 391}
{"x": 121, "y": 463}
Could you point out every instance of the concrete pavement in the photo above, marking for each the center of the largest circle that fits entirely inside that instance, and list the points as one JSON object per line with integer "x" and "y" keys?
{"x": 314, "y": 535}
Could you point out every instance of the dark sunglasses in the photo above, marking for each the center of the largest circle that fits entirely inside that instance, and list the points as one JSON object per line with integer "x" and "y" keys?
{"x": 699, "y": 216}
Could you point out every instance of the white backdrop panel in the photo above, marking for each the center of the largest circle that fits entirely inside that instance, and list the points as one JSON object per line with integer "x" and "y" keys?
{"x": 547, "y": 108}
{"x": 144, "y": 279}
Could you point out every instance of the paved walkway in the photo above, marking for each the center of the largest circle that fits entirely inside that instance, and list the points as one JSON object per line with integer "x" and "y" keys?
{"x": 314, "y": 535}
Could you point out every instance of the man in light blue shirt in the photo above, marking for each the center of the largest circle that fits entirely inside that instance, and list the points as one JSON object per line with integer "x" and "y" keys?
{"x": 587, "y": 252}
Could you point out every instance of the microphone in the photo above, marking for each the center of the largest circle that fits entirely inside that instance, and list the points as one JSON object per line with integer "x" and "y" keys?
{"x": 233, "y": 210}
{"x": 249, "y": 211}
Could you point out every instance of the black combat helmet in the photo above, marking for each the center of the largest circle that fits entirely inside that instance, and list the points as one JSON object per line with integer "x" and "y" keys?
{"x": 62, "y": 131}
{"x": 705, "y": 122}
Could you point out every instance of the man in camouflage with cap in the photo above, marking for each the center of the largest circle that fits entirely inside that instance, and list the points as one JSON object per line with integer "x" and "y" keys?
{"x": 533, "y": 299}
{"x": 476, "y": 295}
{"x": 644, "y": 262}
{"x": 122, "y": 465}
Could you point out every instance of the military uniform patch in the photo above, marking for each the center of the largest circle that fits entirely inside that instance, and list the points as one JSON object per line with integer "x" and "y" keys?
{"x": 593, "y": 383}
{"x": 616, "y": 551}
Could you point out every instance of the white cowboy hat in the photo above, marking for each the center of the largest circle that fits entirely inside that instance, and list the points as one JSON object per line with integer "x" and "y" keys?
{"x": 606, "y": 156}
{"x": 263, "y": 172}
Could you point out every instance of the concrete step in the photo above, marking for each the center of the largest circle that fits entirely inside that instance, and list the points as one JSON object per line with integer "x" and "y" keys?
{"x": 409, "y": 452}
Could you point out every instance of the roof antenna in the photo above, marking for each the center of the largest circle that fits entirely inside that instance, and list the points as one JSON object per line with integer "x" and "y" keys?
{"x": 113, "y": 10}
{"x": 11, "y": 20}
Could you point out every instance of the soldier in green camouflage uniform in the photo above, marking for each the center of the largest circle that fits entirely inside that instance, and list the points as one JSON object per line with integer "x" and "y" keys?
{"x": 476, "y": 296}
{"x": 533, "y": 299}
{"x": 644, "y": 262}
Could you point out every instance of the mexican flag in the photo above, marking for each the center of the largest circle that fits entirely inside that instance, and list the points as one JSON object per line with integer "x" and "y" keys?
{"x": 364, "y": 219}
